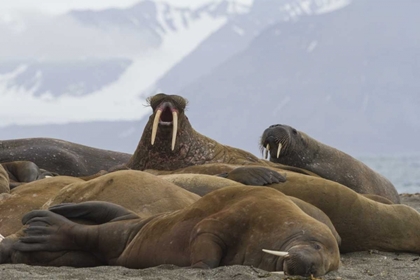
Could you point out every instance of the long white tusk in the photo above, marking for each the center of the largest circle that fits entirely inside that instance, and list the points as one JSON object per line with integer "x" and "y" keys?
{"x": 174, "y": 128}
{"x": 277, "y": 272}
{"x": 267, "y": 148}
{"x": 276, "y": 253}
{"x": 278, "y": 150}
{"x": 1, "y": 238}
{"x": 155, "y": 125}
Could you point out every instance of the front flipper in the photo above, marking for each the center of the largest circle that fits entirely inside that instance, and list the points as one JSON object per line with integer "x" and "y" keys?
{"x": 254, "y": 175}
{"x": 98, "y": 212}
{"x": 46, "y": 231}
{"x": 207, "y": 251}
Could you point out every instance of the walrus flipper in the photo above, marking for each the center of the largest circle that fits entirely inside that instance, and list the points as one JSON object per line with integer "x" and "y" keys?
{"x": 98, "y": 212}
{"x": 46, "y": 231}
{"x": 6, "y": 245}
{"x": 254, "y": 176}
{"x": 207, "y": 251}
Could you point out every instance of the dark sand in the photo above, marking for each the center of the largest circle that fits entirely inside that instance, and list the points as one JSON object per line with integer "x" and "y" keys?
{"x": 361, "y": 265}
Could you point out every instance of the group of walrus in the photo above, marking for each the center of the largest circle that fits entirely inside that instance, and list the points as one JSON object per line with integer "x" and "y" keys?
{"x": 182, "y": 198}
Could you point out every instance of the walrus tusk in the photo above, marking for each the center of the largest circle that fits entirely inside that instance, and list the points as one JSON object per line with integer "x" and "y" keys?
{"x": 1, "y": 238}
{"x": 155, "y": 125}
{"x": 174, "y": 128}
{"x": 276, "y": 253}
{"x": 267, "y": 148}
{"x": 278, "y": 150}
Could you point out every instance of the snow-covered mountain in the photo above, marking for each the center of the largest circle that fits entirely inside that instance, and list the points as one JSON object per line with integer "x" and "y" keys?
{"x": 336, "y": 69}
{"x": 101, "y": 60}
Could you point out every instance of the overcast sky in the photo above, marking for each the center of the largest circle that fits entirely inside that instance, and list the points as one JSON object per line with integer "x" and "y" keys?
{"x": 62, "y": 6}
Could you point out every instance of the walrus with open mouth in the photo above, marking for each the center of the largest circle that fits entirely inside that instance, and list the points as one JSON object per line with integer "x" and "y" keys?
{"x": 169, "y": 142}
{"x": 289, "y": 146}
{"x": 234, "y": 225}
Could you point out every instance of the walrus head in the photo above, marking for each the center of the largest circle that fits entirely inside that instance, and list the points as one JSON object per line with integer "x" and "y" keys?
{"x": 166, "y": 111}
{"x": 277, "y": 140}
{"x": 307, "y": 258}
{"x": 169, "y": 142}
{"x": 168, "y": 138}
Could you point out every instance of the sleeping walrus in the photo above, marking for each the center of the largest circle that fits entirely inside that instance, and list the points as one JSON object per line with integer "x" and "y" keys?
{"x": 226, "y": 227}
{"x": 59, "y": 156}
{"x": 289, "y": 146}
{"x": 362, "y": 223}
{"x": 137, "y": 191}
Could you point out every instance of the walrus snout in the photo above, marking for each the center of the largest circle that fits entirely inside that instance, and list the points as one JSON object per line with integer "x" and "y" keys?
{"x": 271, "y": 143}
{"x": 166, "y": 114}
{"x": 166, "y": 109}
{"x": 304, "y": 262}
{"x": 276, "y": 139}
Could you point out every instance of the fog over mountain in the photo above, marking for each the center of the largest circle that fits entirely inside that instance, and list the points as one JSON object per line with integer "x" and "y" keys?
{"x": 346, "y": 73}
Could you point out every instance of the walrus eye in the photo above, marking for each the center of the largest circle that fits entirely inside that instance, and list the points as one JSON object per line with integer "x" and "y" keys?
{"x": 316, "y": 246}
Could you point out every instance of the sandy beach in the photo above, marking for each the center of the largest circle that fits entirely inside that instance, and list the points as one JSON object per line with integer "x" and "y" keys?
{"x": 361, "y": 265}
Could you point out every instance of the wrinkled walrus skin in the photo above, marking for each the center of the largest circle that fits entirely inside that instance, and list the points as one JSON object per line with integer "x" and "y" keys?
{"x": 229, "y": 226}
{"x": 289, "y": 146}
{"x": 59, "y": 156}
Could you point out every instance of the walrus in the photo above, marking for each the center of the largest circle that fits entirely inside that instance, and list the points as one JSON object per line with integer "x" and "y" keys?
{"x": 362, "y": 223}
{"x": 59, "y": 156}
{"x": 137, "y": 191}
{"x": 226, "y": 227}
{"x": 21, "y": 172}
{"x": 169, "y": 142}
{"x": 288, "y": 146}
